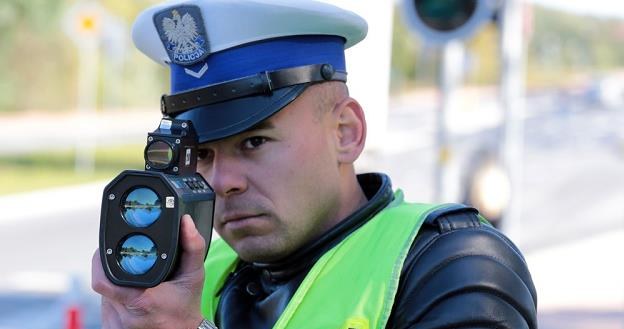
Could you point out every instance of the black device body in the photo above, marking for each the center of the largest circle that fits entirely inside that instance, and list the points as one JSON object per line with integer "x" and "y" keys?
{"x": 141, "y": 210}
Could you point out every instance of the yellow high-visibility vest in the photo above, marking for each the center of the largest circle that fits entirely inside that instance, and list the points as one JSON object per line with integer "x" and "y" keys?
{"x": 352, "y": 286}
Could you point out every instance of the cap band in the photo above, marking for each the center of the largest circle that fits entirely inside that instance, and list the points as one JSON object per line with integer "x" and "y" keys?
{"x": 266, "y": 55}
{"x": 261, "y": 83}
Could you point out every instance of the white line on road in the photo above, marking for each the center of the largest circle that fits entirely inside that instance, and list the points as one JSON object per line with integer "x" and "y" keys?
{"x": 42, "y": 203}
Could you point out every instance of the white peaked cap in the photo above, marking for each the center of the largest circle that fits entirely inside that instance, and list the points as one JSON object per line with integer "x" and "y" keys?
{"x": 230, "y": 23}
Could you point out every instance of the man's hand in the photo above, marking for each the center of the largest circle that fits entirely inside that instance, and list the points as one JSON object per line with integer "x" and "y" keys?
{"x": 174, "y": 304}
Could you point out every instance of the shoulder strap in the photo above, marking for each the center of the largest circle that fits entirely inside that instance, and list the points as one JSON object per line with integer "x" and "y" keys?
{"x": 453, "y": 216}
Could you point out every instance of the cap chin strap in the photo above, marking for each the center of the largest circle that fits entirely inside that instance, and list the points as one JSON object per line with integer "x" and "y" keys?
{"x": 261, "y": 83}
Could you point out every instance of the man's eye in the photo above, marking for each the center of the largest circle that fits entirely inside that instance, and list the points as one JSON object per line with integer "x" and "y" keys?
{"x": 202, "y": 154}
{"x": 253, "y": 142}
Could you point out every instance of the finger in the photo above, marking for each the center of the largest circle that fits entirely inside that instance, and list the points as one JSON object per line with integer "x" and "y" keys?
{"x": 103, "y": 286}
{"x": 110, "y": 317}
{"x": 98, "y": 278}
{"x": 193, "y": 247}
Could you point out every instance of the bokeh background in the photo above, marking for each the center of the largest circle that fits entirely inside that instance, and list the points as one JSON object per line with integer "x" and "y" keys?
{"x": 77, "y": 99}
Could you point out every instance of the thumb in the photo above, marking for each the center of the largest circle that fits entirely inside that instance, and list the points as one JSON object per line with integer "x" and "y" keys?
{"x": 193, "y": 247}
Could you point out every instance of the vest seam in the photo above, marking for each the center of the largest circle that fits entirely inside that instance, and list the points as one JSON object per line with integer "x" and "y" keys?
{"x": 398, "y": 268}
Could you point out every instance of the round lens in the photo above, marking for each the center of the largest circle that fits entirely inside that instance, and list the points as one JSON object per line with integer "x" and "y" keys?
{"x": 159, "y": 154}
{"x": 141, "y": 207}
{"x": 445, "y": 15}
{"x": 137, "y": 254}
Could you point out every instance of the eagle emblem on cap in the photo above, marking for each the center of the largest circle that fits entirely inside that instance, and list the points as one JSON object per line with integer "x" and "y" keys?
{"x": 183, "y": 37}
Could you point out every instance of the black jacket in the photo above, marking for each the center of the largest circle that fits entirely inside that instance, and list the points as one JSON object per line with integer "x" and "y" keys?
{"x": 459, "y": 273}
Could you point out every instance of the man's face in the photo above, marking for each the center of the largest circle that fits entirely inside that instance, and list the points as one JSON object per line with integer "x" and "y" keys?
{"x": 277, "y": 184}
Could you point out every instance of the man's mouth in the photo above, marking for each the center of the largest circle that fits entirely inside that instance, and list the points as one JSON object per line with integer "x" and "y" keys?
{"x": 230, "y": 219}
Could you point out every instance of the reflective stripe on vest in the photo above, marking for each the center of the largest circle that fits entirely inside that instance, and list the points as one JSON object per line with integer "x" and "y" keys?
{"x": 352, "y": 286}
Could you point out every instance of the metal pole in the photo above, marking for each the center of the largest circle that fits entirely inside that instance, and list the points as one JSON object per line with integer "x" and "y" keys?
{"x": 450, "y": 77}
{"x": 83, "y": 22}
{"x": 513, "y": 100}
{"x": 87, "y": 95}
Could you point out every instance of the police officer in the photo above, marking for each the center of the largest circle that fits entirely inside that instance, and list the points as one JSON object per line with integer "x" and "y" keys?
{"x": 306, "y": 243}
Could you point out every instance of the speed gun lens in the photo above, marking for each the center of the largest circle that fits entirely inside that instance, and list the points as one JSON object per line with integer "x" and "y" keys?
{"x": 137, "y": 254}
{"x": 159, "y": 155}
{"x": 142, "y": 207}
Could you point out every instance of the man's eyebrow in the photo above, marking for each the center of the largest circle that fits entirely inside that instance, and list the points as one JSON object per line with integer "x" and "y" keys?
{"x": 266, "y": 124}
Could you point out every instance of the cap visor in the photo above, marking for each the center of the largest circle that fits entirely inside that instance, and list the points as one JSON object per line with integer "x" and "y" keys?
{"x": 221, "y": 120}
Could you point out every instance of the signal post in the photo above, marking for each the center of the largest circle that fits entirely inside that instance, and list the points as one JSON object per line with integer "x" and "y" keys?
{"x": 445, "y": 24}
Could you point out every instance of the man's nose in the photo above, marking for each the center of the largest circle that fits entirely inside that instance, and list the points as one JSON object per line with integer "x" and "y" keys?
{"x": 227, "y": 176}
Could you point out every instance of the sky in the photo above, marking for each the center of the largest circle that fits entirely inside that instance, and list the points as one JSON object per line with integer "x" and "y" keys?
{"x": 607, "y": 8}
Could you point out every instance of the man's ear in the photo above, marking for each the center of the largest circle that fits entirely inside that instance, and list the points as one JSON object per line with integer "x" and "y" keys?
{"x": 351, "y": 130}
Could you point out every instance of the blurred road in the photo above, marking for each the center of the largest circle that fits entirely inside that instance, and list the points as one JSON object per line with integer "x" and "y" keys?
{"x": 573, "y": 165}
{"x": 572, "y": 228}
{"x": 46, "y": 250}
{"x": 48, "y": 131}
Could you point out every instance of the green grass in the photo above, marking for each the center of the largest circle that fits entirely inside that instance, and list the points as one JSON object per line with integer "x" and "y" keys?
{"x": 22, "y": 173}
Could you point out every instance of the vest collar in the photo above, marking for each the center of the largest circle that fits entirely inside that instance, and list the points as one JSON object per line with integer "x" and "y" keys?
{"x": 378, "y": 190}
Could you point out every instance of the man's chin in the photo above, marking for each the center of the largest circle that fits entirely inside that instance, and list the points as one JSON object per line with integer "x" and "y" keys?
{"x": 253, "y": 251}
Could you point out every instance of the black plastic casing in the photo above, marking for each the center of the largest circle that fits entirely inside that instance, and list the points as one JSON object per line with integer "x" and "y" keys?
{"x": 189, "y": 194}
{"x": 182, "y": 139}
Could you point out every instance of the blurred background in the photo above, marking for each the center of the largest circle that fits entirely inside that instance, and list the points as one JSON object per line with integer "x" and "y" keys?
{"x": 519, "y": 113}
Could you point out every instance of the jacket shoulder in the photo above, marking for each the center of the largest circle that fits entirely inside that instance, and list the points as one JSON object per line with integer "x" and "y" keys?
{"x": 462, "y": 272}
